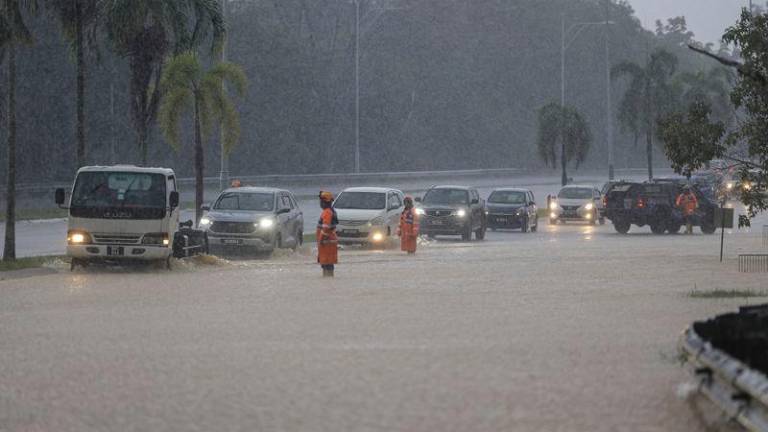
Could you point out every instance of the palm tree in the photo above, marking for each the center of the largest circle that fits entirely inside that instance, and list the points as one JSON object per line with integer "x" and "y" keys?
{"x": 648, "y": 97}
{"x": 562, "y": 127}
{"x": 145, "y": 32}
{"x": 79, "y": 19}
{"x": 13, "y": 32}
{"x": 711, "y": 87}
{"x": 188, "y": 88}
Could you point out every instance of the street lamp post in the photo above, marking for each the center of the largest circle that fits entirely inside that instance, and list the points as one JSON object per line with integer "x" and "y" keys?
{"x": 224, "y": 170}
{"x": 564, "y": 45}
{"x": 357, "y": 86}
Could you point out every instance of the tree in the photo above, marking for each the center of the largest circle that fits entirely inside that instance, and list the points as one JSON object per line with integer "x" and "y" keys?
{"x": 562, "y": 127}
{"x": 145, "y": 31}
{"x": 13, "y": 32}
{"x": 648, "y": 97}
{"x": 79, "y": 19}
{"x": 691, "y": 139}
{"x": 711, "y": 87}
{"x": 187, "y": 88}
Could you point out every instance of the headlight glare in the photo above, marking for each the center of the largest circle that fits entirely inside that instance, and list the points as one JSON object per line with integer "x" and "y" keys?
{"x": 589, "y": 206}
{"x": 461, "y": 213}
{"x": 78, "y": 237}
{"x": 205, "y": 221}
{"x": 553, "y": 205}
{"x": 266, "y": 223}
{"x": 420, "y": 211}
{"x": 155, "y": 239}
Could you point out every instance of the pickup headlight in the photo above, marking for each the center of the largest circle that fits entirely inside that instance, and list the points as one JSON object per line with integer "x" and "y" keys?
{"x": 553, "y": 205}
{"x": 420, "y": 212}
{"x": 461, "y": 213}
{"x": 265, "y": 223}
{"x": 376, "y": 221}
{"x": 156, "y": 239}
{"x": 205, "y": 221}
{"x": 589, "y": 206}
{"x": 78, "y": 237}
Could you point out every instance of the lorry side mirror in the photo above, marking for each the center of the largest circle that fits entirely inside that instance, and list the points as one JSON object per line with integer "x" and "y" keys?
{"x": 173, "y": 200}
{"x": 60, "y": 197}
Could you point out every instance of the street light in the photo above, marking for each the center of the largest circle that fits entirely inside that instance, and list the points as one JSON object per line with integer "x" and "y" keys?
{"x": 224, "y": 171}
{"x": 575, "y": 30}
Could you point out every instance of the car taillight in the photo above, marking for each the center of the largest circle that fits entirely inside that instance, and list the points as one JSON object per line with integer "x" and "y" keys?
{"x": 640, "y": 203}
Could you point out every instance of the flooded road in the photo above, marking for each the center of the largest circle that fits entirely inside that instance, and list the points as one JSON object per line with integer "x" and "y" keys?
{"x": 573, "y": 328}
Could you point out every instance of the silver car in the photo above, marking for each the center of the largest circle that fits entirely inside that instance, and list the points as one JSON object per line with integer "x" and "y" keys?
{"x": 253, "y": 219}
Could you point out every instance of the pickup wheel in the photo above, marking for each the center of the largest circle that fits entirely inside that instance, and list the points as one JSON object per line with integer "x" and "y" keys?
{"x": 673, "y": 228}
{"x": 621, "y": 227}
{"x": 536, "y": 226}
{"x": 524, "y": 226}
{"x": 708, "y": 228}
{"x": 658, "y": 227}
{"x": 466, "y": 234}
{"x": 480, "y": 233}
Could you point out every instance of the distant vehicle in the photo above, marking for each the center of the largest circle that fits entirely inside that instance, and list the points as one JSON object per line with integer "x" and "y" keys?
{"x": 579, "y": 203}
{"x": 510, "y": 208}
{"x": 368, "y": 215}
{"x": 123, "y": 212}
{"x": 452, "y": 210}
{"x": 253, "y": 219}
{"x": 653, "y": 204}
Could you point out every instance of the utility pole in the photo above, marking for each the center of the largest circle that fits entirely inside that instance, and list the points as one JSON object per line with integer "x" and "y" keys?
{"x": 224, "y": 170}
{"x": 563, "y": 162}
{"x": 608, "y": 101}
{"x": 357, "y": 86}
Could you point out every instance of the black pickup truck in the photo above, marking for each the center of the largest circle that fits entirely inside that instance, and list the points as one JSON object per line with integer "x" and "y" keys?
{"x": 653, "y": 204}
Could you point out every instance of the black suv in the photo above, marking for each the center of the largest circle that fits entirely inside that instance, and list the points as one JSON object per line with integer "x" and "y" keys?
{"x": 653, "y": 204}
{"x": 452, "y": 210}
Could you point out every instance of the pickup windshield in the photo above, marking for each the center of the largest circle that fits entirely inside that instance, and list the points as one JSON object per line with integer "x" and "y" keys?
{"x": 575, "y": 193}
{"x": 245, "y": 201}
{"x": 360, "y": 201}
{"x": 507, "y": 197}
{"x": 446, "y": 197}
{"x": 95, "y": 190}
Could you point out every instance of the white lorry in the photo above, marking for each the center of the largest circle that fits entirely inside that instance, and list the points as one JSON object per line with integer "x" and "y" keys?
{"x": 124, "y": 212}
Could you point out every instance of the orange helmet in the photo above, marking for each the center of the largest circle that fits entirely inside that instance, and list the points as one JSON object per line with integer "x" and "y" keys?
{"x": 326, "y": 196}
{"x": 236, "y": 183}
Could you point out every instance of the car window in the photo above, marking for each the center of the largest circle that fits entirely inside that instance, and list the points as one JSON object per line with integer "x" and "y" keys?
{"x": 446, "y": 197}
{"x": 507, "y": 197}
{"x": 396, "y": 201}
{"x": 361, "y": 200}
{"x": 575, "y": 193}
{"x": 245, "y": 201}
{"x": 286, "y": 202}
{"x": 533, "y": 199}
{"x": 294, "y": 203}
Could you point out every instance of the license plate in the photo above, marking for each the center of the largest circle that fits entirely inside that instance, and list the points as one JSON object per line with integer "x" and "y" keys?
{"x": 115, "y": 251}
{"x": 349, "y": 232}
{"x": 501, "y": 220}
{"x": 437, "y": 222}
{"x": 231, "y": 241}
{"x": 571, "y": 214}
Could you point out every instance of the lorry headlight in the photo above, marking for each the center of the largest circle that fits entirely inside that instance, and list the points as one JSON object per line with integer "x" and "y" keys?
{"x": 553, "y": 205}
{"x": 78, "y": 237}
{"x": 266, "y": 223}
{"x": 156, "y": 239}
{"x": 461, "y": 213}
{"x": 589, "y": 206}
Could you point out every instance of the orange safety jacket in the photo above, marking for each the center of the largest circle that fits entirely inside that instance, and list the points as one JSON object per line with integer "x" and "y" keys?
{"x": 687, "y": 202}
{"x": 408, "y": 230}
{"x": 327, "y": 241}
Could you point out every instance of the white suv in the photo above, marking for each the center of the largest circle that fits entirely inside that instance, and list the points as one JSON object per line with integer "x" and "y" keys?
{"x": 368, "y": 215}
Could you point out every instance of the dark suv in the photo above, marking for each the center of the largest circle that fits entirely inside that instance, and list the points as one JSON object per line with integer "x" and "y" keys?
{"x": 653, "y": 204}
{"x": 452, "y": 210}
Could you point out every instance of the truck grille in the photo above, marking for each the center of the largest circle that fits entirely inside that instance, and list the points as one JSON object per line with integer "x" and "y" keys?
{"x": 233, "y": 227}
{"x": 116, "y": 239}
{"x": 439, "y": 213}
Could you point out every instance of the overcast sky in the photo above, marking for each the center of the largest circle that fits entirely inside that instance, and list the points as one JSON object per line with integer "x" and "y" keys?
{"x": 706, "y": 18}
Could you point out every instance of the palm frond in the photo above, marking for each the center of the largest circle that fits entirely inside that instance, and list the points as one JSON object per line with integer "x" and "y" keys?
{"x": 176, "y": 102}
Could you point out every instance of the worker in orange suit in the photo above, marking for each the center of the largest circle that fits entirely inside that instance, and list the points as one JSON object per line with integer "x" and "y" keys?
{"x": 409, "y": 227}
{"x": 687, "y": 203}
{"x": 327, "y": 242}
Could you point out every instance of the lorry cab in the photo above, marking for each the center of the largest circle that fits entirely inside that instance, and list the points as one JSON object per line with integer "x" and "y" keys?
{"x": 121, "y": 212}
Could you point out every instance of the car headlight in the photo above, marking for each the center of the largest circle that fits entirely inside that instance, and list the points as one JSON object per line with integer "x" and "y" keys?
{"x": 78, "y": 237}
{"x": 747, "y": 185}
{"x": 376, "y": 221}
{"x": 553, "y": 205}
{"x": 519, "y": 212}
{"x": 589, "y": 206}
{"x": 156, "y": 239}
{"x": 266, "y": 223}
{"x": 377, "y": 237}
{"x": 461, "y": 213}
{"x": 729, "y": 185}
{"x": 420, "y": 212}
{"x": 205, "y": 221}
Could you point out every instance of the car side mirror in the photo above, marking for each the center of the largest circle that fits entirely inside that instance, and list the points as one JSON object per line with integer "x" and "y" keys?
{"x": 173, "y": 200}
{"x": 283, "y": 211}
{"x": 475, "y": 201}
{"x": 417, "y": 199}
{"x": 205, "y": 207}
{"x": 532, "y": 203}
{"x": 60, "y": 196}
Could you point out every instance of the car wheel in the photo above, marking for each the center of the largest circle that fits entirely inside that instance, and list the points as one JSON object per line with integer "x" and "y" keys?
{"x": 708, "y": 228}
{"x": 524, "y": 226}
{"x": 621, "y": 227}
{"x": 602, "y": 221}
{"x": 658, "y": 228}
{"x": 673, "y": 228}
{"x": 466, "y": 235}
{"x": 480, "y": 233}
{"x": 535, "y": 227}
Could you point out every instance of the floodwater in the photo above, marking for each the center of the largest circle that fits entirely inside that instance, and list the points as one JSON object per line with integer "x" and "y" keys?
{"x": 573, "y": 328}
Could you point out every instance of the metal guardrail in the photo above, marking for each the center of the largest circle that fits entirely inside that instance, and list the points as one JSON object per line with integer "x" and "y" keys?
{"x": 753, "y": 263}
{"x": 741, "y": 392}
{"x": 765, "y": 236}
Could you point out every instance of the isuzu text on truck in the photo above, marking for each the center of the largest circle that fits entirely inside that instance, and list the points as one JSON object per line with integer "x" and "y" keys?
{"x": 125, "y": 212}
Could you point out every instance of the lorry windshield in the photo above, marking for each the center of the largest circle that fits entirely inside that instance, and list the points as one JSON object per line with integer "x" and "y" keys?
{"x": 507, "y": 197}
{"x": 361, "y": 201}
{"x": 575, "y": 193}
{"x": 98, "y": 190}
{"x": 245, "y": 201}
{"x": 446, "y": 197}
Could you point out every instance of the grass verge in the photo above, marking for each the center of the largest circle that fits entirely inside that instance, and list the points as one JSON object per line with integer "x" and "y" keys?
{"x": 26, "y": 263}
{"x": 727, "y": 294}
{"x": 45, "y": 213}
